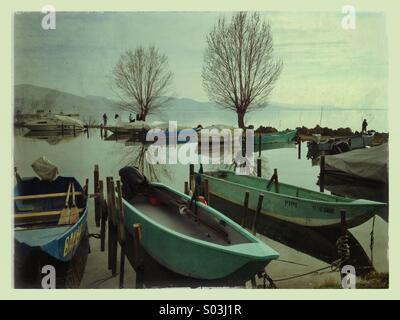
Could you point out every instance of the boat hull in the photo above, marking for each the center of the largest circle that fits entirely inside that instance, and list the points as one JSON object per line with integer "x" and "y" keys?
{"x": 60, "y": 243}
{"x": 195, "y": 258}
{"x": 283, "y": 136}
{"x": 304, "y": 212}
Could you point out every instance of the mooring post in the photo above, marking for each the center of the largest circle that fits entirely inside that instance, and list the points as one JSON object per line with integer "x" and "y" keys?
{"x": 258, "y": 210}
{"x": 109, "y": 247}
{"x": 186, "y": 187}
{"x": 87, "y": 132}
{"x": 101, "y": 131}
{"x": 206, "y": 191}
{"x": 115, "y": 231}
{"x": 96, "y": 177}
{"x": 73, "y": 128}
{"x": 259, "y": 167}
{"x": 122, "y": 267}
{"x": 103, "y": 214}
{"x": 62, "y": 129}
{"x": 139, "y": 269}
{"x": 191, "y": 175}
{"x": 259, "y": 144}
{"x": 343, "y": 223}
{"x": 322, "y": 172}
{"x": 276, "y": 180}
{"x": 245, "y": 208}
{"x": 299, "y": 147}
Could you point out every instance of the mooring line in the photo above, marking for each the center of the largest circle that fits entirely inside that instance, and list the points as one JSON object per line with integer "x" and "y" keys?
{"x": 292, "y": 262}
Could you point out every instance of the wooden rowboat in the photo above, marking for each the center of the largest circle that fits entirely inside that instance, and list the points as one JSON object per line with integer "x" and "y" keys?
{"x": 290, "y": 203}
{"x": 38, "y": 234}
{"x": 200, "y": 242}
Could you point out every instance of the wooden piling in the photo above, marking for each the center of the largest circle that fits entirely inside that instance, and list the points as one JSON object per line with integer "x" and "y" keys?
{"x": 258, "y": 210}
{"x": 322, "y": 173}
{"x": 191, "y": 175}
{"x": 259, "y": 144}
{"x": 206, "y": 192}
{"x": 276, "y": 180}
{"x": 103, "y": 214}
{"x": 120, "y": 203}
{"x": 299, "y": 148}
{"x": 62, "y": 129}
{"x": 122, "y": 267}
{"x": 259, "y": 167}
{"x": 137, "y": 238}
{"x": 115, "y": 231}
{"x": 110, "y": 231}
{"x": 73, "y": 128}
{"x": 186, "y": 187}
{"x": 343, "y": 224}
{"x": 96, "y": 175}
{"x": 245, "y": 208}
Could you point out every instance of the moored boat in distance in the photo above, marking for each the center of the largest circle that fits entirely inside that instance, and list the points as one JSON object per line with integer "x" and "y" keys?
{"x": 290, "y": 203}
{"x": 275, "y": 137}
{"x": 57, "y": 123}
{"x": 192, "y": 240}
{"x": 339, "y": 145}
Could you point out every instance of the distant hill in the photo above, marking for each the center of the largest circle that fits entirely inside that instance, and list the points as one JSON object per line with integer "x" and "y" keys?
{"x": 29, "y": 98}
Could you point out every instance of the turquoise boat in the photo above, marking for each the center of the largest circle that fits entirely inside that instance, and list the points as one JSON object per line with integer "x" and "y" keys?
{"x": 275, "y": 137}
{"x": 290, "y": 203}
{"x": 38, "y": 236}
{"x": 197, "y": 242}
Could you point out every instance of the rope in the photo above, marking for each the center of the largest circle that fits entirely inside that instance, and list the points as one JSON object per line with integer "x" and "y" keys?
{"x": 343, "y": 249}
{"x": 371, "y": 244}
{"x": 303, "y": 274}
{"x": 292, "y": 262}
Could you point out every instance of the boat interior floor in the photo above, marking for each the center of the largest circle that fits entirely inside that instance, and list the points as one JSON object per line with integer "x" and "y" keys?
{"x": 205, "y": 226}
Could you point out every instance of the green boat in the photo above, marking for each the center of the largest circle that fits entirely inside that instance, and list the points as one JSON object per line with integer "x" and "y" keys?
{"x": 290, "y": 203}
{"x": 200, "y": 242}
{"x": 275, "y": 137}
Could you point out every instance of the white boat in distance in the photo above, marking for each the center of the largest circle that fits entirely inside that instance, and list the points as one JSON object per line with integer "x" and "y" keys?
{"x": 56, "y": 123}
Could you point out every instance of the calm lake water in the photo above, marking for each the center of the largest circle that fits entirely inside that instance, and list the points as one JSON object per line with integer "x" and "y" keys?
{"x": 280, "y": 119}
{"x": 301, "y": 250}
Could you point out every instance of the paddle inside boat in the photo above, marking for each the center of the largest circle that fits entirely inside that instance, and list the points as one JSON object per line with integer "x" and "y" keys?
{"x": 189, "y": 237}
{"x": 50, "y": 216}
{"x": 290, "y": 203}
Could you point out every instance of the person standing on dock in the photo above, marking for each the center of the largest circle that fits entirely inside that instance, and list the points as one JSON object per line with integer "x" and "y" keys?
{"x": 104, "y": 119}
{"x": 364, "y": 126}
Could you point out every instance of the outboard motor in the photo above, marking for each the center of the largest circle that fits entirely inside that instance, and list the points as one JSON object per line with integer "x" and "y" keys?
{"x": 133, "y": 182}
{"x": 340, "y": 147}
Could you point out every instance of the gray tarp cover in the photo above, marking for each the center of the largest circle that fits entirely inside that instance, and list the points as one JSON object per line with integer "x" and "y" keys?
{"x": 368, "y": 163}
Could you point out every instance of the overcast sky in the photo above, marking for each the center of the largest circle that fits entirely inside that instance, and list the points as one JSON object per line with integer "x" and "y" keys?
{"x": 323, "y": 64}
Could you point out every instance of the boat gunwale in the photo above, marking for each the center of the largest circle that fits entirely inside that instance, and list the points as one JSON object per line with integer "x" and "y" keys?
{"x": 352, "y": 202}
{"x": 267, "y": 252}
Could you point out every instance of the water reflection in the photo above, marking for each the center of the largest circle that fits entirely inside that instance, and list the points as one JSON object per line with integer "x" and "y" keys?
{"x": 52, "y": 138}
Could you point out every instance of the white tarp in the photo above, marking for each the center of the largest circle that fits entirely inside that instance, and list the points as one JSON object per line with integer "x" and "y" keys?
{"x": 369, "y": 163}
{"x": 45, "y": 169}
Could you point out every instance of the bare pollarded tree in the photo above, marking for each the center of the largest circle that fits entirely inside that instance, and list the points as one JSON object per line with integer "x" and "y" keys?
{"x": 143, "y": 79}
{"x": 239, "y": 70}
